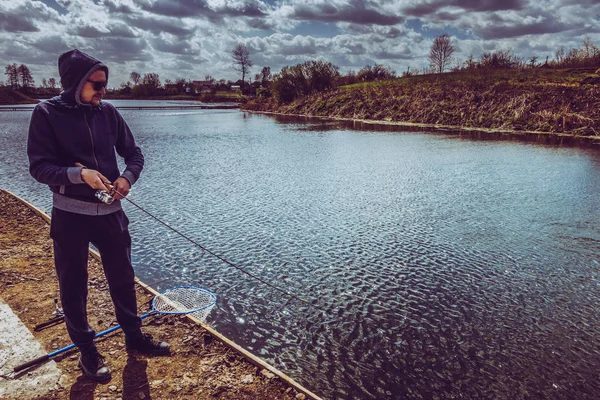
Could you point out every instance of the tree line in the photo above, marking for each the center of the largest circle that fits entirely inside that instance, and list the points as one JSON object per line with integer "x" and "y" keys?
{"x": 313, "y": 76}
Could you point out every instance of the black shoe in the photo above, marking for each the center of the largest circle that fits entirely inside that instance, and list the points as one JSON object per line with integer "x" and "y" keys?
{"x": 94, "y": 367}
{"x": 147, "y": 345}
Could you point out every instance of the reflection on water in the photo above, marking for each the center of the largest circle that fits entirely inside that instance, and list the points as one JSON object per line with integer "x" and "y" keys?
{"x": 434, "y": 266}
{"x": 318, "y": 124}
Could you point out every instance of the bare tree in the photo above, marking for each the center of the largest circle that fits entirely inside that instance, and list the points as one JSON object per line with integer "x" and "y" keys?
{"x": 241, "y": 60}
{"x": 12, "y": 72}
{"x": 533, "y": 61}
{"x": 588, "y": 47}
{"x": 265, "y": 75}
{"x": 25, "y": 76}
{"x": 560, "y": 54}
{"x": 135, "y": 77}
{"x": 441, "y": 53}
{"x": 52, "y": 83}
{"x": 148, "y": 85}
{"x": 180, "y": 82}
{"x": 151, "y": 81}
{"x": 470, "y": 62}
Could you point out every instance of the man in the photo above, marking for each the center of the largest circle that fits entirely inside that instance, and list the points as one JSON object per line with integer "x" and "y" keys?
{"x": 73, "y": 128}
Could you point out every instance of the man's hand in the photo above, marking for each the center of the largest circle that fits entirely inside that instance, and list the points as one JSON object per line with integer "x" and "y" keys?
{"x": 122, "y": 186}
{"x": 95, "y": 179}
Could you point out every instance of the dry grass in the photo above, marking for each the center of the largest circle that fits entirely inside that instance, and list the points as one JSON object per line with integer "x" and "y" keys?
{"x": 524, "y": 100}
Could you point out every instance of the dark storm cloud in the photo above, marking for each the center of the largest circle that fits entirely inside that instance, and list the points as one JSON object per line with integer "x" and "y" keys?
{"x": 298, "y": 49}
{"x": 498, "y": 26}
{"x": 117, "y": 29}
{"x": 166, "y": 46}
{"x": 356, "y": 12}
{"x": 503, "y": 32}
{"x": 446, "y": 16}
{"x": 120, "y": 49}
{"x": 489, "y": 5}
{"x": 13, "y": 51}
{"x": 113, "y": 7}
{"x": 191, "y": 60}
{"x": 22, "y": 18}
{"x": 158, "y": 25}
{"x": 578, "y": 2}
{"x": 16, "y": 23}
{"x": 388, "y": 32}
{"x": 392, "y": 55}
{"x": 421, "y": 10}
{"x": 260, "y": 23}
{"x": 198, "y": 8}
{"x": 52, "y": 44}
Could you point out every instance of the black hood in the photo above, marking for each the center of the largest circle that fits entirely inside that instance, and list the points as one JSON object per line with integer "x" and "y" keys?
{"x": 74, "y": 68}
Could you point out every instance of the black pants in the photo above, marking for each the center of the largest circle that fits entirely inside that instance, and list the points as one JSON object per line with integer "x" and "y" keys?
{"x": 72, "y": 233}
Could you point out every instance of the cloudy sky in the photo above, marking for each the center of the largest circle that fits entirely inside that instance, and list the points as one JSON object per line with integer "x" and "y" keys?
{"x": 194, "y": 38}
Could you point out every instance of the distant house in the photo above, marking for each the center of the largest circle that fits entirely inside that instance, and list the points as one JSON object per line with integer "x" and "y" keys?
{"x": 201, "y": 87}
{"x": 235, "y": 87}
{"x": 170, "y": 86}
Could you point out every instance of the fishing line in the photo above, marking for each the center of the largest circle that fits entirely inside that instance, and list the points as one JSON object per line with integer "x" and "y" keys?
{"x": 312, "y": 330}
{"x": 222, "y": 259}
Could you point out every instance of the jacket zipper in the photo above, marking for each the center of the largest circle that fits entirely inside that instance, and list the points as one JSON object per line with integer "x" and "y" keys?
{"x": 92, "y": 140}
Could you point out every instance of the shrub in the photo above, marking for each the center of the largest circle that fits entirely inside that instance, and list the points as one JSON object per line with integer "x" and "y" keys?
{"x": 303, "y": 79}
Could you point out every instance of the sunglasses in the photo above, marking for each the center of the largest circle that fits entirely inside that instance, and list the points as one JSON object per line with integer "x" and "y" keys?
{"x": 98, "y": 85}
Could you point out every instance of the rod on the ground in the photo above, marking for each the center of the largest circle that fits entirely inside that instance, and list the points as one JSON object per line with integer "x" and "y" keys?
{"x": 69, "y": 347}
{"x": 52, "y": 321}
{"x": 180, "y": 300}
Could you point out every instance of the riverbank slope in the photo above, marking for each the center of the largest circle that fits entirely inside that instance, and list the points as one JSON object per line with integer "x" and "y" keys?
{"x": 538, "y": 100}
{"x": 200, "y": 366}
{"x": 9, "y": 96}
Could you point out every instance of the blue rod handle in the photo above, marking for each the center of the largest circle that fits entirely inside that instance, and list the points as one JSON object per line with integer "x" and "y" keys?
{"x": 69, "y": 347}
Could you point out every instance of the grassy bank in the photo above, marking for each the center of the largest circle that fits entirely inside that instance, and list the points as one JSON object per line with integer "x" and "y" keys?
{"x": 543, "y": 100}
{"x": 218, "y": 97}
{"x": 8, "y": 96}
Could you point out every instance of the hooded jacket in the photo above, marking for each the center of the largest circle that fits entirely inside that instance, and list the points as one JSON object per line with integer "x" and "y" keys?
{"x": 63, "y": 131}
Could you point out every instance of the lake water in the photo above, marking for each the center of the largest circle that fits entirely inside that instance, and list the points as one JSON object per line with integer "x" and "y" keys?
{"x": 436, "y": 266}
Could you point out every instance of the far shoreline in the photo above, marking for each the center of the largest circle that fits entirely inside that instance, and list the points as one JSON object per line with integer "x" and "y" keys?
{"x": 13, "y": 98}
{"x": 541, "y": 137}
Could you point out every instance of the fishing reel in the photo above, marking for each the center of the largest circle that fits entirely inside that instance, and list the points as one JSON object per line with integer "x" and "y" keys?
{"x": 104, "y": 196}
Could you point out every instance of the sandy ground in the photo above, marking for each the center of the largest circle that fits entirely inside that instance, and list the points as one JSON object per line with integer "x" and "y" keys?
{"x": 199, "y": 367}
